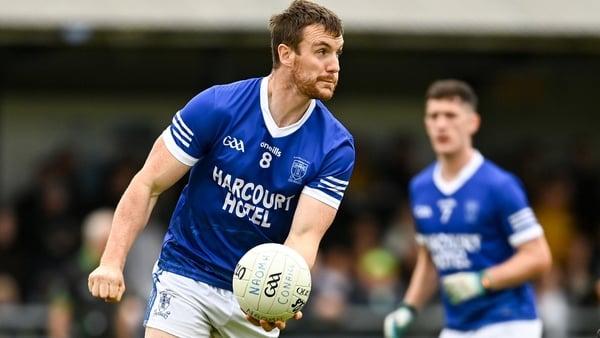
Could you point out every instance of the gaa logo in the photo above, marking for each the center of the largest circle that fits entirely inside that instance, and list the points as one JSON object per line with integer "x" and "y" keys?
{"x": 233, "y": 143}
{"x": 272, "y": 284}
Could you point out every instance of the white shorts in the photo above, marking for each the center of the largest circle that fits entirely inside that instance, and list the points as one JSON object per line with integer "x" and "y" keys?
{"x": 186, "y": 308}
{"x": 515, "y": 328}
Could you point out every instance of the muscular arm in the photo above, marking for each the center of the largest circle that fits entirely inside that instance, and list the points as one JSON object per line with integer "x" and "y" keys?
{"x": 311, "y": 221}
{"x": 531, "y": 260}
{"x": 424, "y": 280}
{"x": 160, "y": 172}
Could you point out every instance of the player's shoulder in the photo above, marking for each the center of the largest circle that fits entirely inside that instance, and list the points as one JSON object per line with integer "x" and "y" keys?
{"x": 333, "y": 126}
{"x": 238, "y": 86}
{"x": 489, "y": 173}
{"x": 219, "y": 94}
{"x": 423, "y": 177}
{"x": 495, "y": 174}
{"x": 229, "y": 98}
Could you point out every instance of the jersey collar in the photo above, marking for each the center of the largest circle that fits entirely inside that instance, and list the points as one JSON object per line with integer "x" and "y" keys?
{"x": 272, "y": 127}
{"x": 449, "y": 188}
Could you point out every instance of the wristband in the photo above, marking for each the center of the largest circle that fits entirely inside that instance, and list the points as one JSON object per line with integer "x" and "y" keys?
{"x": 398, "y": 322}
{"x": 486, "y": 281}
{"x": 413, "y": 310}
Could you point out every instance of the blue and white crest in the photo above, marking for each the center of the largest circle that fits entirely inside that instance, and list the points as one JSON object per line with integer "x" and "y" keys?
{"x": 298, "y": 170}
{"x": 163, "y": 304}
{"x": 471, "y": 211}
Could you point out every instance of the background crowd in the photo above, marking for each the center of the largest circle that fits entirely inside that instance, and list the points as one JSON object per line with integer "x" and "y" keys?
{"x": 53, "y": 230}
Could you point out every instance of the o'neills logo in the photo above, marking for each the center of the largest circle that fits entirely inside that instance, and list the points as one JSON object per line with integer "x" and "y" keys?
{"x": 273, "y": 150}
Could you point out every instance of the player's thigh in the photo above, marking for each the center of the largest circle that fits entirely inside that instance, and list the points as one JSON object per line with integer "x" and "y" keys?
{"x": 238, "y": 326}
{"x": 156, "y": 333}
{"x": 176, "y": 307}
{"x": 181, "y": 307}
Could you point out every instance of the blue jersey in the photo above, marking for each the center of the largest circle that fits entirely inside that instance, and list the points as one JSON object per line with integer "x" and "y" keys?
{"x": 470, "y": 224}
{"x": 247, "y": 176}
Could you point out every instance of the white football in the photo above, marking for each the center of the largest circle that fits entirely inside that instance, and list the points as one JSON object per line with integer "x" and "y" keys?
{"x": 272, "y": 282}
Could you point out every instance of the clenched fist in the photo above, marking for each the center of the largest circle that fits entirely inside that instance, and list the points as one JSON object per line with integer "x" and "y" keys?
{"x": 107, "y": 282}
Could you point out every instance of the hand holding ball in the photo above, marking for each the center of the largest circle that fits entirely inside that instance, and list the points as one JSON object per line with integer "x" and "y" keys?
{"x": 272, "y": 282}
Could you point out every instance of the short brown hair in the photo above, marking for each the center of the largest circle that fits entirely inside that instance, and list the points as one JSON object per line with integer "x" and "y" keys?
{"x": 448, "y": 88}
{"x": 288, "y": 27}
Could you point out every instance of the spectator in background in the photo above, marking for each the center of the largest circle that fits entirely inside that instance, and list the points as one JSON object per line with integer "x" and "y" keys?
{"x": 138, "y": 269}
{"x": 9, "y": 298}
{"x": 375, "y": 269}
{"x": 12, "y": 256}
{"x": 333, "y": 282}
{"x": 553, "y": 304}
{"x": 49, "y": 220}
{"x": 552, "y": 205}
{"x": 478, "y": 236}
{"x": 585, "y": 253}
{"x": 399, "y": 240}
{"x": 73, "y": 312}
{"x": 579, "y": 271}
{"x": 378, "y": 279}
{"x": 9, "y": 289}
{"x": 584, "y": 172}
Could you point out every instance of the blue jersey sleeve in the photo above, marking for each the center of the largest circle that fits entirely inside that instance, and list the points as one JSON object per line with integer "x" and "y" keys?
{"x": 192, "y": 129}
{"x": 331, "y": 183}
{"x": 519, "y": 220}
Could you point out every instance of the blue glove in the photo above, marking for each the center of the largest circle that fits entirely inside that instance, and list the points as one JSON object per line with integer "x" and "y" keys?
{"x": 397, "y": 322}
{"x": 462, "y": 286}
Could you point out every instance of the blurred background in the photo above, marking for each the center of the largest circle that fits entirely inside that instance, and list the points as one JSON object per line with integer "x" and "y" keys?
{"x": 86, "y": 87}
